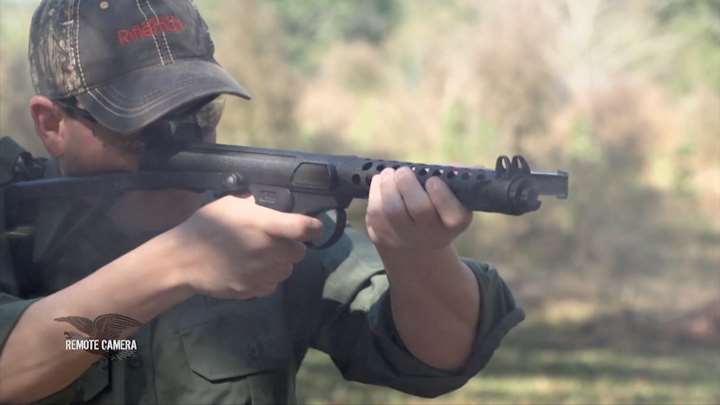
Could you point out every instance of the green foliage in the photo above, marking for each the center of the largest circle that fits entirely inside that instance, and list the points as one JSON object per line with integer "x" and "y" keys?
{"x": 249, "y": 43}
{"x": 464, "y": 137}
{"x": 530, "y": 368}
{"x": 15, "y": 83}
{"x": 582, "y": 145}
{"x": 312, "y": 26}
{"x": 455, "y": 131}
{"x": 682, "y": 176}
{"x": 15, "y": 17}
{"x": 696, "y": 62}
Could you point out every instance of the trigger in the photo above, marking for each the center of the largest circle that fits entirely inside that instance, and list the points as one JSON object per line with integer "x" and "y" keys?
{"x": 340, "y": 223}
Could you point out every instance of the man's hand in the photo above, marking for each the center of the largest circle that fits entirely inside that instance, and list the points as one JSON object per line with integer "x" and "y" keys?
{"x": 401, "y": 215}
{"x": 233, "y": 248}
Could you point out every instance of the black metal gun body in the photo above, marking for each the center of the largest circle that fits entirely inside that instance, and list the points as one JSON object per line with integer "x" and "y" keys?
{"x": 309, "y": 183}
{"x": 306, "y": 183}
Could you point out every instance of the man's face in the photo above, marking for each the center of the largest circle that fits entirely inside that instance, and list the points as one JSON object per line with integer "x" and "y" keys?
{"x": 90, "y": 148}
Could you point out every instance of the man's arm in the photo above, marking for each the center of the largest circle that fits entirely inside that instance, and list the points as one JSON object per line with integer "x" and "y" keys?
{"x": 354, "y": 320}
{"x": 435, "y": 297}
{"x": 199, "y": 256}
{"x": 435, "y": 305}
{"x": 34, "y": 362}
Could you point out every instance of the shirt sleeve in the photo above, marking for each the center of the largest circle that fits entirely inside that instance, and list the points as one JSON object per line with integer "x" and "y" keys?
{"x": 11, "y": 308}
{"x": 85, "y": 387}
{"x": 11, "y": 305}
{"x": 359, "y": 334}
{"x": 14, "y": 302}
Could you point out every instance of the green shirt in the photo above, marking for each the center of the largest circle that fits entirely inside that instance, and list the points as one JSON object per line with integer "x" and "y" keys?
{"x": 208, "y": 350}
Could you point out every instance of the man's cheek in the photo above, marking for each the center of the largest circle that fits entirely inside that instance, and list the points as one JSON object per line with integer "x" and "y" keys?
{"x": 84, "y": 156}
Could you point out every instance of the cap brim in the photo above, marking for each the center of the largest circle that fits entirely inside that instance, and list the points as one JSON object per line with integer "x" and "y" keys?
{"x": 137, "y": 99}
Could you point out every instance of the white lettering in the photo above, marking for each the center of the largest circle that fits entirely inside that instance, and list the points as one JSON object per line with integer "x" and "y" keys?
{"x": 123, "y": 344}
{"x": 104, "y": 344}
{"x": 82, "y": 344}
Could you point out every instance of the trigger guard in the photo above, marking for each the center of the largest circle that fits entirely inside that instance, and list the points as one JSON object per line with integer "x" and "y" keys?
{"x": 340, "y": 222}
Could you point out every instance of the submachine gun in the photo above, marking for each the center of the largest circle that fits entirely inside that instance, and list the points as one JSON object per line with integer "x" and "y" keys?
{"x": 288, "y": 181}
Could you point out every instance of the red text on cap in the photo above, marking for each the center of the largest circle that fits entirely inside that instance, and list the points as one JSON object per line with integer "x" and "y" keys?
{"x": 150, "y": 27}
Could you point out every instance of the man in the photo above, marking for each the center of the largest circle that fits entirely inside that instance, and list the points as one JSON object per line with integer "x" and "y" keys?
{"x": 228, "y": 297}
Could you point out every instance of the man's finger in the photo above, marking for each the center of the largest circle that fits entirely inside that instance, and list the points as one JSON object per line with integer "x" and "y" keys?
{"x": 453, "y": 214}
{"x": 297, "y": 227}
{"x": 378, "y": 227}
{"x": 374, "y": 196}
{"x": 393, "y": 204}
{"x": 417, "y": 202}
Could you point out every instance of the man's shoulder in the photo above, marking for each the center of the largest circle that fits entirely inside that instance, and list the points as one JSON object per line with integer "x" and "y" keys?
{"x": 16, "y": 163}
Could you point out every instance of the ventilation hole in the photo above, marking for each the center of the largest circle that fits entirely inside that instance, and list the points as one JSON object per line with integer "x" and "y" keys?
{"x": 396, "y": 167}
{"x": 465, "y": 176}
{"x": 451, "y": 174}
{"x": 380, "y": 168}
{"x": 423, "y": 172}
{"x": 437, "y": 172}
{"x": 356, "y": 179}
{"x": 367, "y": 166}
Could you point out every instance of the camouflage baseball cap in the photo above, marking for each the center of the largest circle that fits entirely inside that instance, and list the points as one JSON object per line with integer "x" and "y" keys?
{"x": 128, "y": 62}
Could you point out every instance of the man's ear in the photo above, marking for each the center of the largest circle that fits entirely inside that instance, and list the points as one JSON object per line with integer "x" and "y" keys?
{"x": 47, "y": 118}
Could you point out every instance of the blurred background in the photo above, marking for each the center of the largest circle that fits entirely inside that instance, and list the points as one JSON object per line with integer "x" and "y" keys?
{"x": 621, "y": 283}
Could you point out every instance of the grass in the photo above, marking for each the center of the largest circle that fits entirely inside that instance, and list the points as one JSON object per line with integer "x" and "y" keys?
{"x": 536, "y": 366}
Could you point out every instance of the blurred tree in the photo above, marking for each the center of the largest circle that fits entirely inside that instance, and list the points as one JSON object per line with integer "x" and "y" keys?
{"x": 522, "y": 88}
{"x": 250, "y": 44}
{"x": 695, "y": 60}
{"x": 15, "y": 83}
{"x": 311, "y": 26}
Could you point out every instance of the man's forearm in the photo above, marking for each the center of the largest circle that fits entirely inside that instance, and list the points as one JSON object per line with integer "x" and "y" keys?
{"x": 34, "y": 362}
{"x": 435, "y": 304}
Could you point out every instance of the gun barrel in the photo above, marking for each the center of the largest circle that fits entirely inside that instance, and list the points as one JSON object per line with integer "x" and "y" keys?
{"x": 551, "y": 183}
